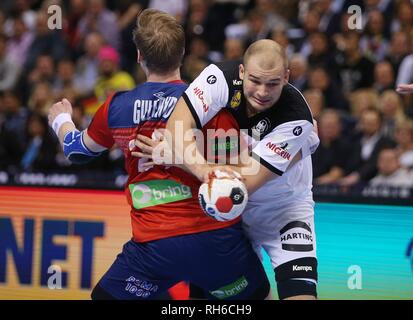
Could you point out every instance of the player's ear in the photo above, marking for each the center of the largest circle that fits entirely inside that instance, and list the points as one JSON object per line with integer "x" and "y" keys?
{"x": 139, "y": 57}
{"x": 241, "y": 71}
{"x": 287, "y": 76}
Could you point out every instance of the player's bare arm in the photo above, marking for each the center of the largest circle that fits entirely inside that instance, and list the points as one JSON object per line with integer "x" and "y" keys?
{"x": 202, "y": 169}
{"x": 198, "y": 166}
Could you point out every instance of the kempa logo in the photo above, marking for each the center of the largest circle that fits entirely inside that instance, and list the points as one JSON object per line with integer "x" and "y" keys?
{"x": 302, "y": 268}
{"x": 211, "y": 79}
{"x": 154, "y": 192}
{"x": 297, "y": 131}
{"x": 230, "y": 290}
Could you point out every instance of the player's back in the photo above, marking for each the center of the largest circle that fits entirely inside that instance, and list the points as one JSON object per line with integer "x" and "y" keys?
{"x": 142, "y": 109}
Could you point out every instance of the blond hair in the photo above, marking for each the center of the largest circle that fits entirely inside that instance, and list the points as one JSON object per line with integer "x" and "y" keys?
{"x": 160, "y": 39}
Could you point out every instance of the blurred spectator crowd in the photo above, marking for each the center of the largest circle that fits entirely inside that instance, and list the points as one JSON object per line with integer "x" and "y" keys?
{"x": 348, "y": 76}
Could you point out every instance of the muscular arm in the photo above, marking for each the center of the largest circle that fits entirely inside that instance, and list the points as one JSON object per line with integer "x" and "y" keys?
{"x": 182, "y": 121}
{"x": 87, "y": 140}
{"x": 257, "y": 170}
{"x": 199, "y": 104}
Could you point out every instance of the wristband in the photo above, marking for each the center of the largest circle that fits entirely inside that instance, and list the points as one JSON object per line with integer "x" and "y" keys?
{"x": 60, "y": 120}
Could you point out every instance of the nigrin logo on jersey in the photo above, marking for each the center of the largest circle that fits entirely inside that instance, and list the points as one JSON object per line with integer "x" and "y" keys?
{"x": 279, "y": 150}
{"x": 200, "y": 94}
{"x": 153, "y": 109}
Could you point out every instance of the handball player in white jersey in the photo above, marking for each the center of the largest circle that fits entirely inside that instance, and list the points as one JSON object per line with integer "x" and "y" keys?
{"x": 280, "y": 214}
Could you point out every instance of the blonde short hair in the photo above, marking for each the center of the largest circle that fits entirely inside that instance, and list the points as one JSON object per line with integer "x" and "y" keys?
{"x": 160, "y": 39}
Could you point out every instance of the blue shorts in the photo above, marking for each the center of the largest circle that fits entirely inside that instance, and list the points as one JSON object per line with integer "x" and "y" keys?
{"x": 221, "y": 262}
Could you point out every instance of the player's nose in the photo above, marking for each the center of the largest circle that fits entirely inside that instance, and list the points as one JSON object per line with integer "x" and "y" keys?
{"x": 262, "y": 92}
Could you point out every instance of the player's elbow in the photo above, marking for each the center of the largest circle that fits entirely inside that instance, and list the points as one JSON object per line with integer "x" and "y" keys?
{"x": 75, "y": 150}
{"x": 78, "y": 158}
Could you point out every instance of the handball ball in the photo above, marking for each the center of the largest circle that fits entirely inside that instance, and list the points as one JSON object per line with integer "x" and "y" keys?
{"x": 223, "y": 198}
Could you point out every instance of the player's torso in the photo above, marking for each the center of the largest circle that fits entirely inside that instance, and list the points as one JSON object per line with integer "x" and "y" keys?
{"x": 149, "y": 104}
{"x": 290, "y": 110}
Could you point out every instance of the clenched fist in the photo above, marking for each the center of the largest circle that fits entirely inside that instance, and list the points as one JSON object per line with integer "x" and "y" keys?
{"x": 63, "y": 106}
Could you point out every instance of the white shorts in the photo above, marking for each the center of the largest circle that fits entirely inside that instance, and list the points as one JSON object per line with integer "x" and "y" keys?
{"x": 287, "y": 235}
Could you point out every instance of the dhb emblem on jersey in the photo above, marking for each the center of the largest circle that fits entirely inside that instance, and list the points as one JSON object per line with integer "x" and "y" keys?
{"x": 211, "y": 79}
{"x": 297, "y": 131}
{"x": 236, "y": 99}
{"x": 262, "y": 126}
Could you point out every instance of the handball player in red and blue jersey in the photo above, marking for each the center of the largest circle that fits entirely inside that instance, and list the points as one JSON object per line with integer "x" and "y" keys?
{"x": 172, "y": 239}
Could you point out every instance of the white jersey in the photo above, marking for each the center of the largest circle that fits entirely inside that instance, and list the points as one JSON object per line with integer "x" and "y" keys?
{"x": 282, "y": 131}
{"x": 280, "y": 215}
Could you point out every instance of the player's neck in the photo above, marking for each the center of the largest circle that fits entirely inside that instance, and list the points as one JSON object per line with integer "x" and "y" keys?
{"x": 167, "y": 77}
{"x": 250, "y": 111}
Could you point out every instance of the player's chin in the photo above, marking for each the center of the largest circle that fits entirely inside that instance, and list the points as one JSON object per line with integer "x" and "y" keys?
{"x": 260, "y": 105}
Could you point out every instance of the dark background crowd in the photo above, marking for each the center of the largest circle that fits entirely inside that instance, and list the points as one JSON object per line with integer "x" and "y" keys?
{"x": 347, "y": 75}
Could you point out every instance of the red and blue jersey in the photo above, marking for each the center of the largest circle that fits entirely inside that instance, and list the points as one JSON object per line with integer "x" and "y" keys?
{"x": 164, "y": 200}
